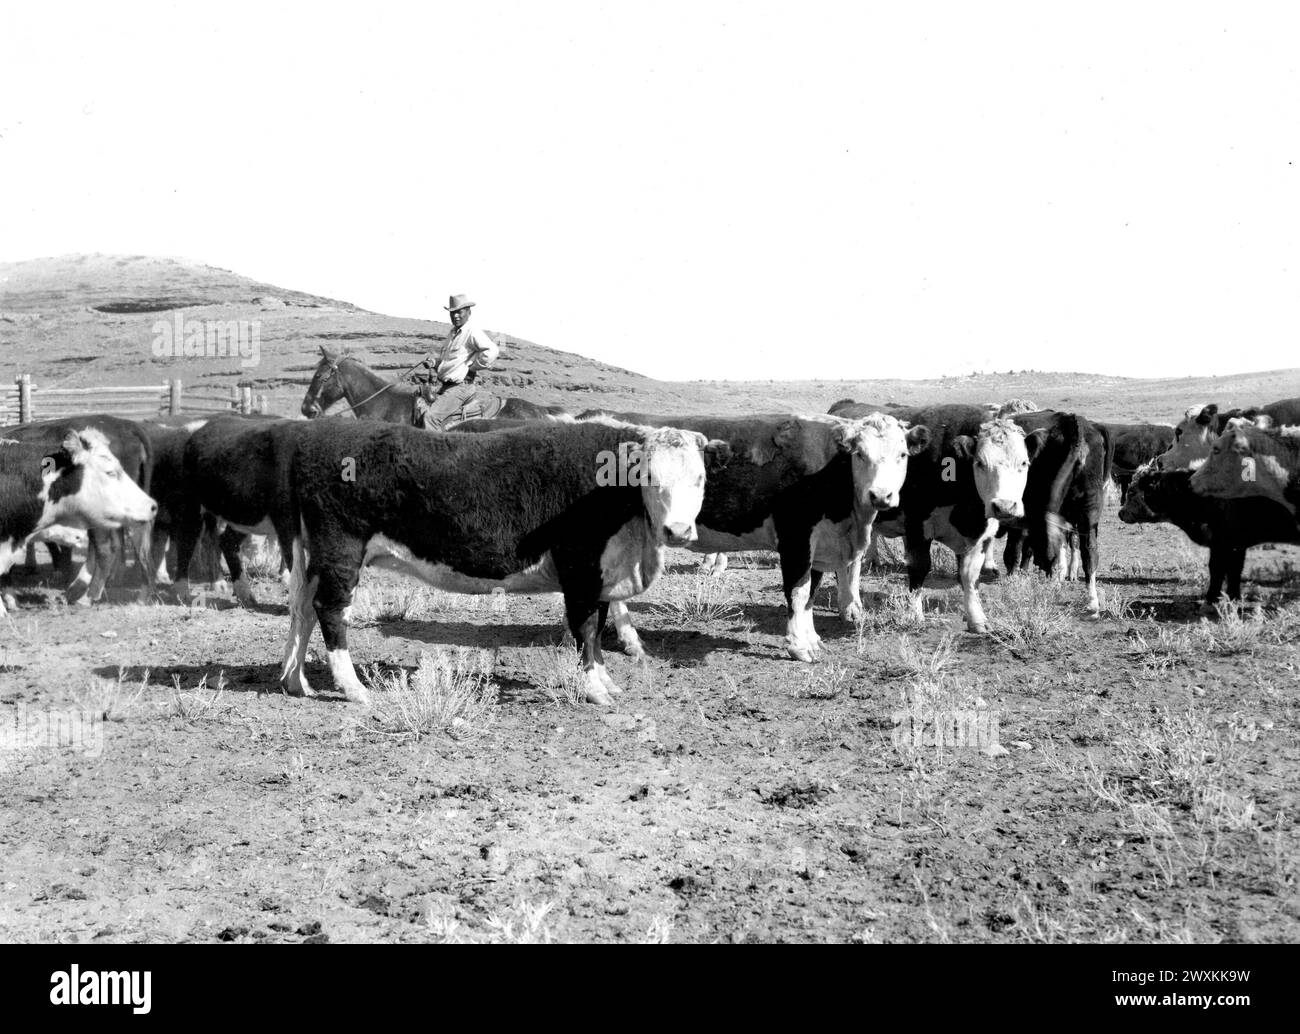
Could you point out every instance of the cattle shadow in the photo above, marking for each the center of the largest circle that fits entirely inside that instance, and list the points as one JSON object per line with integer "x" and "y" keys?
{"x": 485, "y": 635}
{"x": 233, "y": 678}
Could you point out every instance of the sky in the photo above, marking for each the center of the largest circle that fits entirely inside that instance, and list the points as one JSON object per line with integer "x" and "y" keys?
{"x": 709, "y": 189}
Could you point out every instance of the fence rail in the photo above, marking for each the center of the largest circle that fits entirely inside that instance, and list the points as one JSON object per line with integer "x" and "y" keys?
{"x": 26, "y": 401}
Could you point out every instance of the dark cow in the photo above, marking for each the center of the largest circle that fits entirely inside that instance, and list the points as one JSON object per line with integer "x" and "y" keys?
{"x": 807, "y": 487}
{"x": 1135, "y": 446}
{"x": 131, "y": 446}
{"x": 960, "y": 490}
{"x": 847, "y": 409}
{"x": 77, "y": 482}
{"x": 1201, "y": 425}
{"x": 582, "y": 509}
{"x": 1228, "y": 527}
{"x": 1066, "y": 488}
{"x": 236, "y": 469}
{"x": 1246, "y": 462}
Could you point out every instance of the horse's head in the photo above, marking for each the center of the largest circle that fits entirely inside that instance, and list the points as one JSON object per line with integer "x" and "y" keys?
{"x": 326, "y": 385}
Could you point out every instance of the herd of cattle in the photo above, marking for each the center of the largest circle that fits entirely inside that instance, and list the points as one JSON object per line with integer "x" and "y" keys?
{"x": 529, "y": 505}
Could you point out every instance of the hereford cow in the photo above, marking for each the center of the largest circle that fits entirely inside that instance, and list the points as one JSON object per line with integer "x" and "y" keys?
{"x": 131, "y": 446}
{"x": 77, "y": 483}
{"x": 1248, "y": 462}
{"x": 1201, "y": 425}
{"x": 807, "y": 487}
{"x": 583, "y": 509}
{"x": 1228, "y": 527}
{"x": 959, "y": 491}
{"x": 1066, "y": 489}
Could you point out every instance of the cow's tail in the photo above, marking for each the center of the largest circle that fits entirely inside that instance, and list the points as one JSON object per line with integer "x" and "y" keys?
{"x": 1073, "y": 457}
{"x": 1110, "y": 486}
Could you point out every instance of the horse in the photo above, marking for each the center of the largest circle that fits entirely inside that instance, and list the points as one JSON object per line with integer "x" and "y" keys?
{"x": 371, "y": 397}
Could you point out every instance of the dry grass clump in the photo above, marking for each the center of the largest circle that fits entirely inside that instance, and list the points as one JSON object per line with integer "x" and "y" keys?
{"x": 449, "y": 692}
{"x": 1027, "y": 612}
{"x": 699, "y": 599}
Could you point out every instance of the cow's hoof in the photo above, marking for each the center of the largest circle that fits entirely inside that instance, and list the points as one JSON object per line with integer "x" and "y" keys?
{"x": 80, "y": 601}
{"x": 854, "y": 613}
{"x": 356, "y": 696}
{"x": 244, "y": 593}
{"x": 1207, "y": 610}
{"x": 8, "y": 602}
{"x": 298, "y": 688}
{"x": 806, "y": 652}
{"x": 598, "y": 694}
{"x": 977, "y": 628}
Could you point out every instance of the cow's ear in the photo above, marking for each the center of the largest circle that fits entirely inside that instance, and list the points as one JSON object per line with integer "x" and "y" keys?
{"x": 1207, "y": 414}
{"x": 1035, "y": 441}
{"x": 963, "y": 446}
{"x": 717, "y": 454}
{"x": 329, "y": 354}
{"x": 918, "y": 439}
{"x": 74, "y": 448}
{"x": 845, "y": 437}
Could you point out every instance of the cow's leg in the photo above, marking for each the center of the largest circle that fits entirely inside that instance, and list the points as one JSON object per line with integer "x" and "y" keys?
{"x": 970, "y": 558}
{"x": 159, "y": 545}
{"x": 848, "y": 587}
{"x": 627, "y": 636}
{"x": 302, "y": 619}
{"x": 585, "y": 619}
{"x": 989, "y": 557}
{"x": 1072, "y": 544}
{"x": 101, "y": 558}
{"x": 141, "y": 538}
{"x": 1236, "y": 562}
{"x": 187, "y": 530}
{"x": 232, "y": 541}
{"x": 337, "y": 567}
{"x": 799, "y": 581}
{"x": 714, "y": 564}
{"x": 1219, "y": 561}
{"x": 918, "y": 563}
{"x": 1089, "y": 542}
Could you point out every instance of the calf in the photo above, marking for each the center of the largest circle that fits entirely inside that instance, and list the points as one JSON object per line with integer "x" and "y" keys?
{"x": 807, "y": 487}
{"x": 77, "y": 483}
{"x": 1248, "y": 462}
{"x": 1228, "y": 527}
{"x": 1066, "y": 488}
{"x": 525, "y": 510}
{"x": 1135, "y": 446}
{"x": 959, "y": 491}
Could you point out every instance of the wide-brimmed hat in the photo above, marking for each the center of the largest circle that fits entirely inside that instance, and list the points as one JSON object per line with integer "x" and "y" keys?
{"x": 458, "y": 302}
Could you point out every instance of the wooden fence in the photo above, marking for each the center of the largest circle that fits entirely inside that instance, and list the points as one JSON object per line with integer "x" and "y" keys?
{"x": 26, "y": 401}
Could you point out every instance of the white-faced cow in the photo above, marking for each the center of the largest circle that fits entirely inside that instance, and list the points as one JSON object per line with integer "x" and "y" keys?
{"x": 808, "y": 487}
{"x": 1228, "y": 527}
{"x": 1248, "y": 462}
{"x": 583, "y": 509}
{"x": 127, "y": 441}
{"x": 960, "y": 491}
{"x": 77, "y": 483}
{"x": 1201, "y": 425}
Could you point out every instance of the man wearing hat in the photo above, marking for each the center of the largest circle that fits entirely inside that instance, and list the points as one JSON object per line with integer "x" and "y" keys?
{"x": 449, "y": 384}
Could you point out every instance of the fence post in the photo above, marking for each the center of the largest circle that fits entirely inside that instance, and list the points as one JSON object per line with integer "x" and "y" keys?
{"x": 261, "y": 403}
{"x": 245, "y": 398}
{"x": 24, "y": 398}
{"x": 174, "y": 396}
{"x": 234, "y": 398}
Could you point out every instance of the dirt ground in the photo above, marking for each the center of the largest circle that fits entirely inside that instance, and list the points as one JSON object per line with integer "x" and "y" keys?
{"x": 1128, "y": 779}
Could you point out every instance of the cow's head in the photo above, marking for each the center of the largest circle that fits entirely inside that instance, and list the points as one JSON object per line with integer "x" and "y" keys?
{"x": 1246, "y": 461}
{"x": 879, "y": 446}
{"x": 1000, "y": 456}
{"x": 676, "y": 462}
{"x": 85, "y": 486}
{"x": 1192, "y": 437}
{"x": 1137, "y": 508}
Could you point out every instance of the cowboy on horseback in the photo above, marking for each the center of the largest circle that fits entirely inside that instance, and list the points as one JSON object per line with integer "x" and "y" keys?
{"x": 448, "y": 387}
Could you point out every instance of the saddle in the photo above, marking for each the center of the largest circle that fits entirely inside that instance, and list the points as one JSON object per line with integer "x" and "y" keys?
{"x": 482, "y": 405}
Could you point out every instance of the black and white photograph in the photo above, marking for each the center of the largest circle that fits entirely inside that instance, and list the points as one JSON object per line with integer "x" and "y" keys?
{"x": 682, "y": 473}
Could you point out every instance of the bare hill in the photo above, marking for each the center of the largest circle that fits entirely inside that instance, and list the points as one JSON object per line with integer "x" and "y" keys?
{"x": 90, "y": 320}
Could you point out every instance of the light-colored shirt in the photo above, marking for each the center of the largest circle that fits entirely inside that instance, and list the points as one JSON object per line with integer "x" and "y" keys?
{"x": 464, "y": 350}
